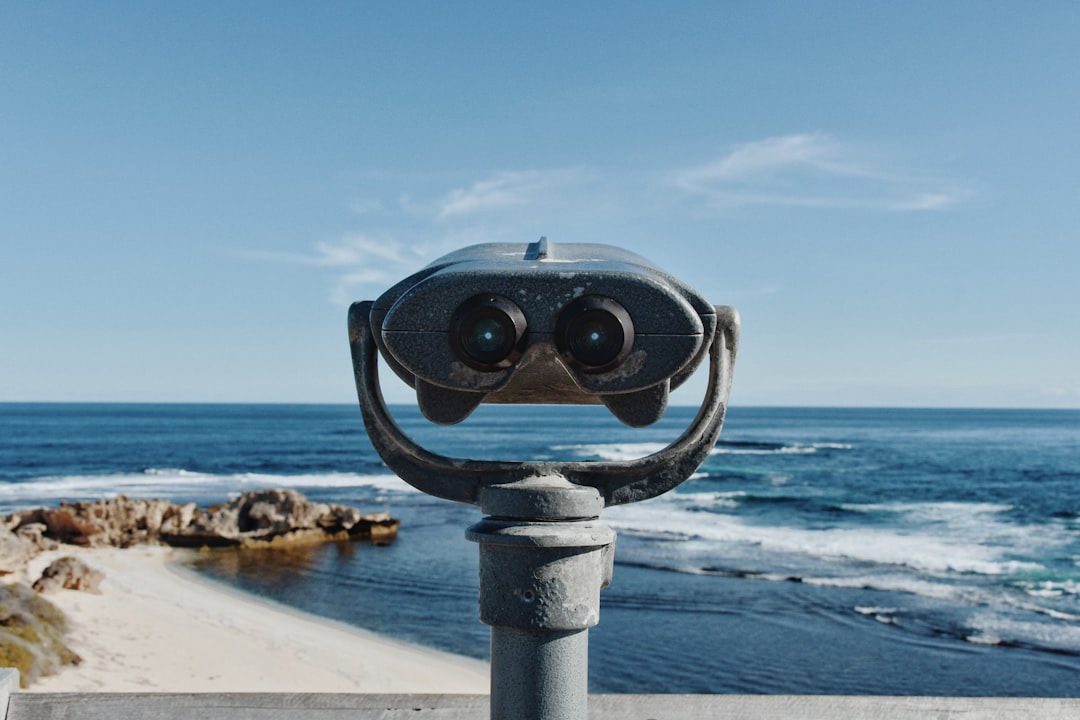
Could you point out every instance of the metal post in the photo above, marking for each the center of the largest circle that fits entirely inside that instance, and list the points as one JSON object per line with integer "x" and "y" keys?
{"x": 539, "y": 675}
{"x": 540, "y": 582}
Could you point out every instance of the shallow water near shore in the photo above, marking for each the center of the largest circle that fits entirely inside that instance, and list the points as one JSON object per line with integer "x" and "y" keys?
{"x": 816, "y": 551}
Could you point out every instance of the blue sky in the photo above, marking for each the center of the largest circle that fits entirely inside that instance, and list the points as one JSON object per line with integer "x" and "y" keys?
{"x": 192, "y": 193}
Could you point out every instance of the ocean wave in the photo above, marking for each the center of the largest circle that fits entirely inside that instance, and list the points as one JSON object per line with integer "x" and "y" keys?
{"x": 752, "y": 448}
{"x": 881, "y": 614}
{"x": 611, "y": 451}
{"x": 989, "y": 628}
{"x": 930, "y": 512}
{"x": 975, "y": 542}
{"x": 907, "y": 584}
{"x": 635, "y": 450}
{"x": 1050, "y": 588}
{"x": 171, "y": 483}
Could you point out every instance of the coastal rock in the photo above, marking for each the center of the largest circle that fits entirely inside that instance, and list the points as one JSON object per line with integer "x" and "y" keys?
{"x": 253, "y": 519}
{"x": 35, "y": 533}
{"x": 68, "y": 573}
{"x": 278, "y": 517}
{"x": 15, "y": 550}
{"x": 118, "y": 522}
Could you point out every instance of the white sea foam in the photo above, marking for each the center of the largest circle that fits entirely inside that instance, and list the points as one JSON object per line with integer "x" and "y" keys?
{"x": 901, "y": 583}
{"x": 793, "y": 449}
{"x": 1051, "y": 588}
{"x": 171, "y": 482}
{"x": 612, "y": 451}
{"x": 1000, "y": 603}
{"x": 714, "y": 500}
{"x": 968, "y": 543}
{"x": 633, "y": 451}
{"x": 989, "y": 628}
{"x": 882, "y": 615}
{"x": 923, "y": 512}
{"x": 875, "y": 610}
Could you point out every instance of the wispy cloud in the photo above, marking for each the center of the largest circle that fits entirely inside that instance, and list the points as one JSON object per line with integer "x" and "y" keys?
{"x": 504, "y": 189}
{"x": 814, "y": 171}
{"x": 364, "y": 263}
{"x": 373, "y": 263}
{"x": 407, "y": 222}
{"x": 361, "y": 250}
{"x": 352, "y": 250}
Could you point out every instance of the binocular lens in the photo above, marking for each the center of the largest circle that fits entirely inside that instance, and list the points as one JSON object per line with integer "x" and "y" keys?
{"x": 486, "y": 332}
{"x": 594, "y": 333}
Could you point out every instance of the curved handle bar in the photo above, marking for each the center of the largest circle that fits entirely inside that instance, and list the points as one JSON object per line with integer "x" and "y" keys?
{"x": 618, "y": 482}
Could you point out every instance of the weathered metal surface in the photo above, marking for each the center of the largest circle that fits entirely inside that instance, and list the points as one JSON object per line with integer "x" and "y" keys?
{"x": 619, "y": 482}
{"x": 540, "y": 324}
{"x": 540, "y": 588}
{"x": 545, "y": 674}
{"x": 542, "y": 576}
{"x": 268, "y": 706}
{"x": 415, "y": 320}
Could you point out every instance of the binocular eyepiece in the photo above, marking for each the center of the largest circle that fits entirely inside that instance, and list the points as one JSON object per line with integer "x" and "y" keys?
{"x": 592, "y": 334}
{"x": 542, "y": 323}
{"x": 487, "y": 332}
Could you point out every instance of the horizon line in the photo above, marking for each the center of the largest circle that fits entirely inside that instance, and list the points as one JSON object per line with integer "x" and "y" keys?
{"x": 749, "y": 406}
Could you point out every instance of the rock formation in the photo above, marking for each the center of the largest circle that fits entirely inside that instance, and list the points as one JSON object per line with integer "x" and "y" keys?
{"x": 254, "y": 519}
{"x": 31, "y": 628}
{"x": 15, "y": 550}
{"x": 68, "y": 573}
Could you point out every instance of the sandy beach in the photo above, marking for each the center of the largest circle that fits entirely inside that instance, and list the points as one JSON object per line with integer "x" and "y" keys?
{"x": 158, "y": 627}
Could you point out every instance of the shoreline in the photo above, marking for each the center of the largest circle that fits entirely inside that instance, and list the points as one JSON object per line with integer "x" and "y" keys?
{"x": 160, "y": 627}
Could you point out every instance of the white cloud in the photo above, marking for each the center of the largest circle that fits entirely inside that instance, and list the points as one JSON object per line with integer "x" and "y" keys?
{"x": 506, "y": 189}
{"x": 366, "y": 264}
{"x": 815, "y": 171}
{"x": 801, "y": 170}
{"x": 372, "y": 263}
{"x": 351, "y": 286}
{"x": 763, "y": 157}
{"x": 361, "y": 250}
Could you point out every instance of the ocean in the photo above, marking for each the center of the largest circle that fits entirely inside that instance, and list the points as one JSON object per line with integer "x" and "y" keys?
{"x": 825, "y": 551}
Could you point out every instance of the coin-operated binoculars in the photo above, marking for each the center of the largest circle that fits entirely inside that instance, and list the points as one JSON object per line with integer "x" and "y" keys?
{"x": 549, "y": 324}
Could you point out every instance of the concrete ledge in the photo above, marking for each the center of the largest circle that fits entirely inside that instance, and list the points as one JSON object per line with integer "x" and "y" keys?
{"x": 277, "y": 706}
{"x": 9, "y": 683}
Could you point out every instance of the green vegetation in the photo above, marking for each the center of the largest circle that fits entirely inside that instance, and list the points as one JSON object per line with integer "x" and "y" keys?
{"x": 31, "y": 634}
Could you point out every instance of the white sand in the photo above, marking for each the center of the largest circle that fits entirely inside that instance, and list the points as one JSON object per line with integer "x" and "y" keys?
{"x": 157, "y": 627}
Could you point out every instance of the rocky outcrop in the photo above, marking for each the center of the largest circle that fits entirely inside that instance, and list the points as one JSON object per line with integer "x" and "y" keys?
{"x": 15, "y": 550}
{"x": 68, "y": 573}
{"x": 255, "y": 519}
{"x": 32, "y": 629}
{"x": 277, "y": 517}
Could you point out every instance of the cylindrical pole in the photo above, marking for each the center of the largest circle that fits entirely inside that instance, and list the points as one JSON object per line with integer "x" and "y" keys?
{"x": 540, "y": 585}
{"x": 539, "y": 675}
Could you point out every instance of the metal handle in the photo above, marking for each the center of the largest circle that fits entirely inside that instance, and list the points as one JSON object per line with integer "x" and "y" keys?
{"x": 617, "y": 482}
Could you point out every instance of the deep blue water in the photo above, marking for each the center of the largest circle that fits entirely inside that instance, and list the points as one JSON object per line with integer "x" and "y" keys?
{"x": 817, "y": 550}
